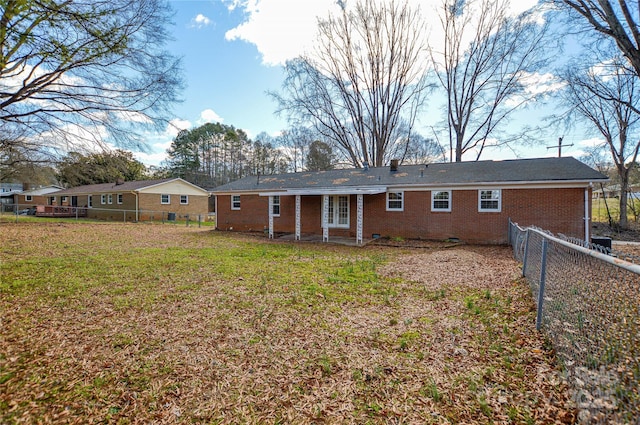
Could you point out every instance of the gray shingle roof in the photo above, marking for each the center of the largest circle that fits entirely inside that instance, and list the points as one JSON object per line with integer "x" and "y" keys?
{"x": 112, "y": 187}
{"x": 437, "y": 174}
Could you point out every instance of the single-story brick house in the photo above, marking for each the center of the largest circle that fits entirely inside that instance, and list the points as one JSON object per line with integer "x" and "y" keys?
{"x": 133, "y": 200}
{"x": 470, "y": 201}
{"x": 32, "y": 197}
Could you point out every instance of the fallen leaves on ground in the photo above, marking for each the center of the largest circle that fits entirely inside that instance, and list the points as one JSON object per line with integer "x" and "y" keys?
{"x": 437, "y": 335}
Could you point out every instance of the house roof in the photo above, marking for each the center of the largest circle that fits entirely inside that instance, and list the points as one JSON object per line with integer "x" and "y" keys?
{"x": 130, "y": 186}
{"x": 42, "y": 190}
{"x": 379, "y": 179}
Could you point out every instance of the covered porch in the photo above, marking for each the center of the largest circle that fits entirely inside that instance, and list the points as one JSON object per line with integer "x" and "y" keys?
{"x": 329, "y": 210}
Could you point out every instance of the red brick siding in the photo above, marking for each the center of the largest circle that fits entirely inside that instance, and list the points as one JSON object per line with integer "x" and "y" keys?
{"x": 556, "y": 210}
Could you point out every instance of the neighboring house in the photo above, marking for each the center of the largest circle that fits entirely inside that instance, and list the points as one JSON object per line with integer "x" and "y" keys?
{"x": 470, "y": 201}
{"x": 132, "y": 201}
{"x": 613, "y": 191}
{"x": 33, "y": 197}
{"x": 7, "y": 191}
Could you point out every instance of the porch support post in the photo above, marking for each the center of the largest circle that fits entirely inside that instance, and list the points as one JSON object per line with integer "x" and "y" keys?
{"x": 360, "y": 212}
{"x": 325, "y": 218}
{"x": 270, "y": 217}
{"x": 297, "y": 218}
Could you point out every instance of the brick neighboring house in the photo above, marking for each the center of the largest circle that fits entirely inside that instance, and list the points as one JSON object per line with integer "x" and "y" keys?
{"x": 470, "y": 201}
{"x": 134, "y": 200}
{"x": 32, "y": 197}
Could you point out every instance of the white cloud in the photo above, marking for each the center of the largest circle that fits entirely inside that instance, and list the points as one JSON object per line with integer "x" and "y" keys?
{"x": 280, "y": 29}
{"x": 200, "y": 21}
{"x": 284, "y": 29}
{"x": 209, "y": 116}
{"x": 175, "y": 125}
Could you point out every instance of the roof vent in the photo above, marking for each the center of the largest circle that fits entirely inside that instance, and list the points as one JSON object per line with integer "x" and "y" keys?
{"x": 394, "y": 165}
{"x": 119, "y": 182}
{"x": 365, "y": 165}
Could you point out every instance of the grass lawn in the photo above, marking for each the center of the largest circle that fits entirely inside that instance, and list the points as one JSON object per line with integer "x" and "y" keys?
{"x": 148, "y": 323}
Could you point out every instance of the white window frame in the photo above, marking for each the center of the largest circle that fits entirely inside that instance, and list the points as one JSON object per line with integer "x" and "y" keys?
{"x": 400, "y": 199}
{"x": 119, "y": 198}
{"x": 334, "y": 216}
{"x": 184, "y": 199}
{"x": 28, "y": 198}
{"x": 110, "y": 198}
{"x": 103, "y": 199}
{"x": 235, "y": 202}
{"x": 435, "y": 193}
{"x": 482, "y": 192}
{"x": 162, "y": 199}
{"x": 275, "y": 205}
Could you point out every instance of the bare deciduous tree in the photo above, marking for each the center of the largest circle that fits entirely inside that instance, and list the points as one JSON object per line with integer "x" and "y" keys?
{"x": 486, "y": 57}
{"x": 601, "y": 95}
{"x": 364, "y": 83}
{"x": 617, "y": 22}
{"x": 84, "y": 69}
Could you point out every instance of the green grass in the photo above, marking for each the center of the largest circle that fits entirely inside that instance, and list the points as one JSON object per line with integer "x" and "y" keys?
{"x": 118, "y": 323}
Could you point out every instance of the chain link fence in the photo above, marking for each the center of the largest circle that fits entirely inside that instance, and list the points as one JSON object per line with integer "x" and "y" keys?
{"x": 588, "y": 304}
{"x": 19, "y": 212}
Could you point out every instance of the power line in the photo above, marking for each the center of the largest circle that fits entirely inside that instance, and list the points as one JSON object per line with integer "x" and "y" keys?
{"x": 559, "y": 146}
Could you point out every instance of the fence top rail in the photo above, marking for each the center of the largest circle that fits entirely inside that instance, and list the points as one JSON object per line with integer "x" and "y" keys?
{"x": 634, "y": 268}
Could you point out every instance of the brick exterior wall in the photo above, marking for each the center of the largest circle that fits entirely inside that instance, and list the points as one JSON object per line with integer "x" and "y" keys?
{"x": 556, "y": 210}
{"x": 149, "y": 206}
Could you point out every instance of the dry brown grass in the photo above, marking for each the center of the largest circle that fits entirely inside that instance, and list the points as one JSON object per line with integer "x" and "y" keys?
{"x": 168, "y": 324}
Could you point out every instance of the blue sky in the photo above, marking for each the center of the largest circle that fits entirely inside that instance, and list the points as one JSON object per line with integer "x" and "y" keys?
{"x": 232, "y": 52}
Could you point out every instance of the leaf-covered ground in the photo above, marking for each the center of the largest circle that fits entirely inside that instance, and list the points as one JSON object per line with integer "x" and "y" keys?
{"x": 141, "y": 323}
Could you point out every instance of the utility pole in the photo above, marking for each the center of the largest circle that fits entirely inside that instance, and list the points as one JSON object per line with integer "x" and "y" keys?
{"x": 559, "y": 146}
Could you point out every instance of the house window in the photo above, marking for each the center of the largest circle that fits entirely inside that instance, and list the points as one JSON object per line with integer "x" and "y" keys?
{"x": 165, "y": 199}
{"x": 64, "y": 199}
{"x": 184, "y": 199}
{"x": 441, "y": 200}
{"x": 89, "y": 201}
{"x": 103, "y": 199}
{"x": 395, "y": 201}
{"x": 235, "y": 202}
{"x": 338, "y": 211}
{"x": 28, "y": 198}
{"x": 110, "y": 199}
{"x": 489, "y": 200}
{"x": 275, "y": 205}
{"x": 51, "y": 200}
{"x": 119, "y": 198}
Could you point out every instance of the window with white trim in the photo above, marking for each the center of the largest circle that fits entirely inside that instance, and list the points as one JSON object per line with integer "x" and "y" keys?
{"x": 489, "y": 200}
{"x": 110, "y": 198}
{"x": 28, "y": 198}
{"x": 119, "y": 198}
{"x": 184, "y": 199}
{"x": 165, "y": 199}
{"x": 441, "y": 200}
{"x": 338, "y": 211}
{"x": 103, "y": 199}
{"x": 275, "y": 206}
{"x": 64, "y": 199}
{"x": 395, "y": 201}
{"x": 235, "y": 202}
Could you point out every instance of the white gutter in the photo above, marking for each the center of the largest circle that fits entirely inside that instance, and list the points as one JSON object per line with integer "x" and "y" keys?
{"x": 137, "y": 216}
{"x": 586, "y": 213}
{"x": 353, "y": 190}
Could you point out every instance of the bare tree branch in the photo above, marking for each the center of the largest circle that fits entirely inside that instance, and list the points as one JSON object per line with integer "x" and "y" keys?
{"x": 364, "y": 83}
